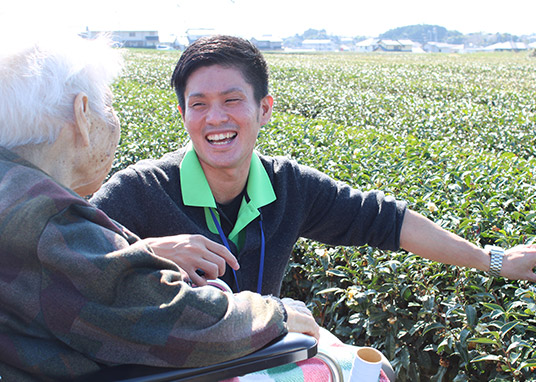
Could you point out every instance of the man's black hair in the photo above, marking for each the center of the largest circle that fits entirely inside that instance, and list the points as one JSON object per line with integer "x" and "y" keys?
{"x": 227, "y": 51}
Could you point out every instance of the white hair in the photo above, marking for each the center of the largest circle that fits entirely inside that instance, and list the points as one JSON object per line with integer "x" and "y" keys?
{"x": 40, "y": 79}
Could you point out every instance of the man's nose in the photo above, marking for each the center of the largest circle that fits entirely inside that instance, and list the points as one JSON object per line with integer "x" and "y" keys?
{"x": 216, "y": 115}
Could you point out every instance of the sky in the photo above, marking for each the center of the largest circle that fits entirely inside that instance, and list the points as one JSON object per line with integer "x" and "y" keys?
{"x": 279, "y": 18}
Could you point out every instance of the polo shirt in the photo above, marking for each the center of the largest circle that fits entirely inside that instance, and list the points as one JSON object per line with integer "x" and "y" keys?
{"x": 196, "y": 192}
{"x": 147, "y": 198}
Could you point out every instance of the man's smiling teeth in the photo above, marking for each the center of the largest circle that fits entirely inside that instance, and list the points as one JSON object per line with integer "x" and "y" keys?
{"x": 220, "y": 139}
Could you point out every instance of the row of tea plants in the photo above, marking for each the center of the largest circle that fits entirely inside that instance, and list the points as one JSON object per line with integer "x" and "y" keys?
{"x": 453, "y": 135}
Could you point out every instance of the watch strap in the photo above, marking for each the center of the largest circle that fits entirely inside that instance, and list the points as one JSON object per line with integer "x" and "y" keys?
{"x": 496, "y": 255}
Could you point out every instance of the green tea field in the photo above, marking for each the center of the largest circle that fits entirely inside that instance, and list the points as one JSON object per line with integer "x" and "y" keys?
{"x": 453, "y": 135}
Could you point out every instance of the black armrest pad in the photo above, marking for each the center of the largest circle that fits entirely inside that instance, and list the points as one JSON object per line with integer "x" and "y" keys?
{"x": 292, "y": 347}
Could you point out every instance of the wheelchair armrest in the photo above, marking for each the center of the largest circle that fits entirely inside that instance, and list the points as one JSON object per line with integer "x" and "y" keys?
{"x": 292, "y": 347}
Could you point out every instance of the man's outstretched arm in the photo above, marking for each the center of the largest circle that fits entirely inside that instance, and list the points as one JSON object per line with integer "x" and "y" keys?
{"x": 423, "y": 237}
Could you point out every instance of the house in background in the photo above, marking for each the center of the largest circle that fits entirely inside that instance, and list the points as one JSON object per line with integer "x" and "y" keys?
{"x": 129, "y": 39}
{"x": 409, "y": 45}
{"x": 443, "y": 47}
{"x": 395, "y": 46}
{"x": 346, "y": 44}
{"x": 366, "y": 46}
{"x": 417, "y": 48}
{"x": 379, "y": 45}
{"x": 509, "y": 46}
{"x": 319, "y": 45}
{"x": 194, "y": 34}
{"x": 178, "y": 42}
{"x": 267, "y": 42}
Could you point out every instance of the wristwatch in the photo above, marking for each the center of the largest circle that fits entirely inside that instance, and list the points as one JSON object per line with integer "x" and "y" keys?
{"x": 495, "y": 259}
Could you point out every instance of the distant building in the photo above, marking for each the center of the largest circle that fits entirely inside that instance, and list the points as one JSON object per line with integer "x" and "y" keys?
{"x": 346, "y": 44}
{"x": 130, "y": 39}
{"x": 415, "y": 47}
{"x": 509, "y": 46}
{"x": 368, "y": 45}
{"x": 379, "y": 45}
{"x": 267, "y": 43}
{"x": 195, "y": 34}
{"x": 320, "y": 45}
{"x": 395, "y": 45}
{"x": 177, "y": 42}
{"x": 443, "y": 47}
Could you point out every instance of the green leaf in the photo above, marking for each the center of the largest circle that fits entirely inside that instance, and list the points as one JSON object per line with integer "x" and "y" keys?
{"x": 330, "y": 290}
{"x": 336, "y": 273}
{"x": 517, "y": 344}
{"x": 432, "y": 326}
{"x": 528, "y": 363}
{"x": 483, "y": 340}
{"x": 493, "y": 306}
{"x": 438, "y": 377}
{"x": 509, "y": 326}
{"x": 487, "y": 357}
{"x": 461, "y": 377}
{"x": 470, "y": 312}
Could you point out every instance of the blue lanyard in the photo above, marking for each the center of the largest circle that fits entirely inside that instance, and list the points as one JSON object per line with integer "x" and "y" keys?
{"x": 226, "y": 243}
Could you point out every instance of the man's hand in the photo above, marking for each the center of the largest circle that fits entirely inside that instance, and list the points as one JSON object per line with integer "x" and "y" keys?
{"x": 427, "y": 239}
{"x": 201, "y": 258}
{"x": 300, "y": 319}
{"x": 519, "y": 263}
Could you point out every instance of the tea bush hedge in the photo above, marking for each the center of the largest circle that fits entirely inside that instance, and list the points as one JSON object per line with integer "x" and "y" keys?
{"x": 453, "y": 135}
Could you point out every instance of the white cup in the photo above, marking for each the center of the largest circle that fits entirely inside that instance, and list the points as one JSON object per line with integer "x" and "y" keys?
{"x": 367, "y": 365}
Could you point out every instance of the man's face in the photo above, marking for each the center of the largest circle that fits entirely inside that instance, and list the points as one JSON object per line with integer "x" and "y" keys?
{"x": 222, "y": 117}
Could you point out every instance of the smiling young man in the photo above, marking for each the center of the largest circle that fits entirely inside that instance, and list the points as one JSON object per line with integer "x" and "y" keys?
{"x": 223, "y": 119}
{"x": 220, "y": 190}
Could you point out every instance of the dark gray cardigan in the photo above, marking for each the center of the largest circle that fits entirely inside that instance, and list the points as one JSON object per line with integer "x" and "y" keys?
{"x": 146, "y": 198}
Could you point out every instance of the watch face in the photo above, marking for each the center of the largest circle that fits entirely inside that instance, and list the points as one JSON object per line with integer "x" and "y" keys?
{"x": 494, "y": 249}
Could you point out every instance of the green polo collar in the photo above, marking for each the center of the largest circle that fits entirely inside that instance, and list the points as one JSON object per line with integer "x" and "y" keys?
{"x": 196, "y": 191}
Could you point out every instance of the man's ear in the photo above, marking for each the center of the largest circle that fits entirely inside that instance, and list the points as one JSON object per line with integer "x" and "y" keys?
{"x": 181, "y": 111}
{"x": 81, "y": 119}
{"x": 267, "y": 104}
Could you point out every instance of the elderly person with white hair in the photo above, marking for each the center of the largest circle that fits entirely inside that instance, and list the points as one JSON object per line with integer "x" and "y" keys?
{"x": 77, "y": 290}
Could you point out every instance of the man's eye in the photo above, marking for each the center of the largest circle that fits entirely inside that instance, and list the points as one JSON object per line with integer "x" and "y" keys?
{"x": 232, "y": 100}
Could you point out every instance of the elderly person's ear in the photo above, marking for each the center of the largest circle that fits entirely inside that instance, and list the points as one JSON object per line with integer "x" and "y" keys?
{"x": 81, "y": 119}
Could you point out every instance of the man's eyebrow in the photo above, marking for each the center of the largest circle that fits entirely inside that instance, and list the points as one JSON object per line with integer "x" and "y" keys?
{"x": 233, "y": 90}
{"x": 195, "y": 95}
{"x": 225, "y": 92}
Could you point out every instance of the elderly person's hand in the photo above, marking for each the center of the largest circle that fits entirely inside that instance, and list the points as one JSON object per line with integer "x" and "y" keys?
{"x": 519, "y": 263}
{"x": 202, "y": 259}
{"x": 300, "y": 319}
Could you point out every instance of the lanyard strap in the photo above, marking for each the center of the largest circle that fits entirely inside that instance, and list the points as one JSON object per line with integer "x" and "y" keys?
{"x": 226, "y": 243}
